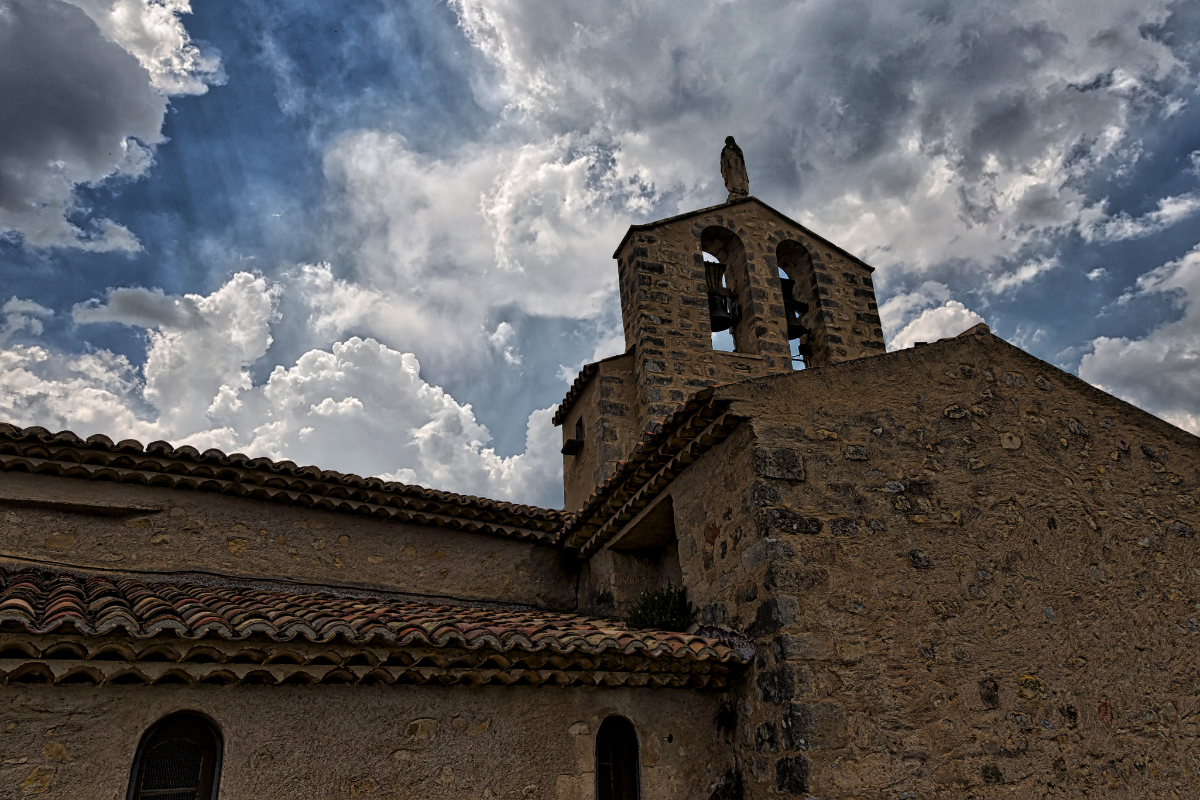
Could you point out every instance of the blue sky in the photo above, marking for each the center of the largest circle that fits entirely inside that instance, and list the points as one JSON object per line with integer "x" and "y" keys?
{"x": 378, "y": 237}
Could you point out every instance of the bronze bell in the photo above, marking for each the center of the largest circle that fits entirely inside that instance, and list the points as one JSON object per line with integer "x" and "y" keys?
{"x": 720, "y": 313}
{"x": 793, "y": 309}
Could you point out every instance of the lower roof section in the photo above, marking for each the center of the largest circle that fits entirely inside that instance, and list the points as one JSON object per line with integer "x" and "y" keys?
{"x": 69, "y": 626}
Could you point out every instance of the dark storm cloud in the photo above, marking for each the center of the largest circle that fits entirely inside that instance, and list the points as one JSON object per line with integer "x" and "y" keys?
{"x": 77, "y": 109}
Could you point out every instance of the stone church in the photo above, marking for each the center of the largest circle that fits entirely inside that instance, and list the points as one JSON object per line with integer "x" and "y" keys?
{"x": 950, "y": 571}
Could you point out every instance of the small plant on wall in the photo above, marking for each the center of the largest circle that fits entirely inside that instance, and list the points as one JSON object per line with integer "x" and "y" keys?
{"x": 666, "y": 609}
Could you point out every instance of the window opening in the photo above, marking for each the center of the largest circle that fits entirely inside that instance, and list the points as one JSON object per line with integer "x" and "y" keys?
{"x": 726, "y": 275}
{"x": 720, "y": 305}
{"x": 617, "y": 775}
{"x": 792, "y": 312}
{"x": 799, "y": 299}
{"x": 573, "y": 446}
{"x": 179, "y": 758}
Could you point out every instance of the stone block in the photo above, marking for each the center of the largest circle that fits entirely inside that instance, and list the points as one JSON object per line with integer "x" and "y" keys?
{"x": 820, "y": 724}
{"x": 773, "y": 615}
{"x": 763, "y": 551}
{"x": 806, "y": 646}
{"x": 781, "y": 463}
{"x": 794, "y": 578}
{"x": 776, "y": 521}
{"x": 791, "y": 775}
{"x": 776, "y": 685}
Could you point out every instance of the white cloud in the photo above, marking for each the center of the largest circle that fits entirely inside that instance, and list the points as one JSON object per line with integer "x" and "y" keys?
{"x": 1161, "y": 370}
{"x": 21, "y": 316}
{"x": 440, "y": 243}
{"x": 1170, "y": 211}
{"x": 916, "y": 137}
{"x": 1021, "y": 275}
{"x": 899, "y": 309}
{"x": 1097, "y": 274}
{"x": 501, "y": 341}
{"x": 152, "y": 31}
{"x": 932, "y": 324}
{"x": 81, "y": 108}
{"x": 358, "y": 405}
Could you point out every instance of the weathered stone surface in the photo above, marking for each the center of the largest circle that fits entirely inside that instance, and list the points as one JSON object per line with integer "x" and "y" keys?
{"x": 777, "y": 685}
{"x": 791, "y": 775}
{"x": 782, "y": 463}
{"x": 806, "y": 726}
{"x": 77, "y": 742}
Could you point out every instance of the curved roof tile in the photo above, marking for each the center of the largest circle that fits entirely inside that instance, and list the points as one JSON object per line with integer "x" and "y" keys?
{"x": 48, "y": 602}
{"x": 36, "y": 449}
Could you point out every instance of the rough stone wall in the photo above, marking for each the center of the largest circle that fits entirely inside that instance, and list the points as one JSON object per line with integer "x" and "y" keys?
{"x": 665, "y": 306}
{"x": 608, "y": 405}
{"x": 331, "y": 742}
{"x": 984, "y": 583}
{"x": 150, "y": 529}
{"x": 664, "y": 303}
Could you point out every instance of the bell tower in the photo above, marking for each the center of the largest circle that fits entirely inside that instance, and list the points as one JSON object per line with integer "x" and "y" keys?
{"x": 789, "y": 299}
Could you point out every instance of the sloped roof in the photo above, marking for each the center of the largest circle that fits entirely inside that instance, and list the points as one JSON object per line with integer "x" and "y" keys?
{"x": 585, "y": 375}
{"x": 37, "y": 450}
{"x": 104, "y": 604}
{"x": 694, "y": 428}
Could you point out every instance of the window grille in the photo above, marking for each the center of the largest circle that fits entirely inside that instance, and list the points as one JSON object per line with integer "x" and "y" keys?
{"x": 179, "y": 759}
{"x": 617, "y": 775}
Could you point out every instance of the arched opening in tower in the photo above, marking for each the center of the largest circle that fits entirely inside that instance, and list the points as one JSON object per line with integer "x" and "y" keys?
{"x": 727, "y": 279}
{"x": 800, "y": 300}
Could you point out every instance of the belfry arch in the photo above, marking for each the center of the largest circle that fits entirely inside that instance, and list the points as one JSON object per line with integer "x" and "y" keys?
{"x": 800, "y": 298}
{"x": 727, "y": 280}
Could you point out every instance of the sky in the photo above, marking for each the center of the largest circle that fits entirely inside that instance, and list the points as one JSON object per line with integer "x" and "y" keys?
{"x": 377, "y": 237}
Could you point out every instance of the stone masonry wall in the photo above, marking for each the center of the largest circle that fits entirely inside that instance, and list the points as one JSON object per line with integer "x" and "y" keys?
{"x": 665, "y": 307}
{"x": 608, "y": 405}
{"x": 171, "y": 530}
{"x": 364, "y": 742}
{"x": 983, "y": 583}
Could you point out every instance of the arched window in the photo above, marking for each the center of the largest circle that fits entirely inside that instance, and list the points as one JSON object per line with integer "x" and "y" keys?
{"x": 179, "y": 758}
{"x": 727, "y": 276}
{"x": 798, "y": 282}
{"x": 617, "y": 775}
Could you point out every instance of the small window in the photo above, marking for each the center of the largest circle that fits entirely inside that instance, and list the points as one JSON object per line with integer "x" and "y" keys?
{"x": 179, "y": 759}
{"x": 617, "y": 775}
{"x": 571, "y": 447}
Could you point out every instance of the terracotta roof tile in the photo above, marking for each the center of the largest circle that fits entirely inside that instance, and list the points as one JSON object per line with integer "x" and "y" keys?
{"x": 38, "y": 450}
{"x": 43, "y": 602}
{"x": 694, "y": 428}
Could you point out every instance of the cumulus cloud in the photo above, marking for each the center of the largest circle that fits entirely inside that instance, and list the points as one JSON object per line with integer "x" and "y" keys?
{"x": 357, "y": 405}
{"x": 84, "y": 103}
{"x": 153, "y": 32}
{"x": 925, "y": 314}
{"x": 501, "y": 341}
{"x": 932, "y": 324}
{"x": 914, "y": 135}
{"x": 1161, "y": 370}
{"x": 917, "y": 134}
{"x": 440, "y": 242}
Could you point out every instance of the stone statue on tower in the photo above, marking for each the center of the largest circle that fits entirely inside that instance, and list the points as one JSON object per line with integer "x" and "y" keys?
{"x": 733, "y": 170}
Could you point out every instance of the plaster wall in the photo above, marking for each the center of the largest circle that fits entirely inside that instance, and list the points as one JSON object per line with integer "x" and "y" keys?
{"x": 139, "y": 529}
{"x": 329, "y": 742}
